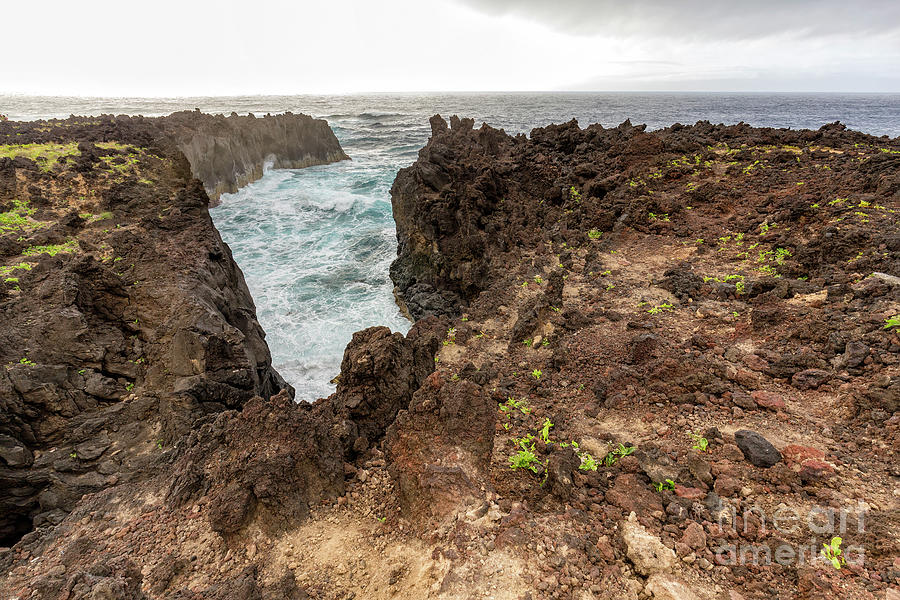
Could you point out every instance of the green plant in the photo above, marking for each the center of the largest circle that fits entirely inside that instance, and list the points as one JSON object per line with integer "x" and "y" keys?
{"x": 159, "y": 444}
{"x": 781, "y": 254}
{"x": 700, "y": 442}
{"x": 588, "y": 462}
{"x": 892, "y": 322}
{"x": 513, "y": 404}
{"x": 73, "y": 455}
{"x": 594, "y": 234}
{"x": 537, "y": 374}
{"x": 575, "y": 195}
{"x": 833, "y": 553}
{"x": 668, "y": 484}
{"x": 129, "y": 386}
{"x": 45, "y": 155}
{"x": 451, "y": 337}
{"x": 26, "y": 362}
{"x": 524, "y": 459}
{"x": 658, "y": 309}
{"x": 545, "y": 431}
{"x": 52, "y": 249}
{"x": 614, "y": 454}
{"x": 6, "y": 270}
{"x": 538, "y": 280}
{"x": 527, "y": 342}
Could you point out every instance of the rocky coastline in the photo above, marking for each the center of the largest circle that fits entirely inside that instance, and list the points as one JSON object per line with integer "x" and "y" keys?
{"x": 632, "y": 349}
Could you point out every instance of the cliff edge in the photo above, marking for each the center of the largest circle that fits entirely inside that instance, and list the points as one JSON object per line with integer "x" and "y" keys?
{"x": 227, "y": 153}
{"x": 124, "y": 316}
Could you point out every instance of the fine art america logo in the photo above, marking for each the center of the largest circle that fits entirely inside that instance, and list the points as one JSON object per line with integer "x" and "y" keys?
{"x": 826, "y": 528}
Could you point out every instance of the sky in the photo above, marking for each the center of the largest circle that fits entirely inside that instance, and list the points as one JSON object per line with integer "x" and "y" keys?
{"x": 184, "y": 47}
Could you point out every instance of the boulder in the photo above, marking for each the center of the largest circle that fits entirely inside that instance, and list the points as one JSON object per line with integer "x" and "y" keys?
{"x": 645, "y": 550}
{"x": 756, "y": 449}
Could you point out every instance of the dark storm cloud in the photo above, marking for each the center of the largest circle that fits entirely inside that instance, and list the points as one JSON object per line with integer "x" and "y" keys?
{"x": 704, "y": 20}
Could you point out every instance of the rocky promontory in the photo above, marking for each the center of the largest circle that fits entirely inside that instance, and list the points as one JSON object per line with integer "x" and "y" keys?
{"x": 645, "y": 365}
{"x": 125, "y": 318}
{"x": 228, "y": 153}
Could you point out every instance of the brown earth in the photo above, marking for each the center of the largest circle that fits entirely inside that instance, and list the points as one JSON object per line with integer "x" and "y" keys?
{"x": 614, "y": 288}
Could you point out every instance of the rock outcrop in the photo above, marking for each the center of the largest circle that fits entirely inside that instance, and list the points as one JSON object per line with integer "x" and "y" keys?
{"x": 124, "y": 316}
{"x": 227, "y": 153}
{"x": 477, "y": 198}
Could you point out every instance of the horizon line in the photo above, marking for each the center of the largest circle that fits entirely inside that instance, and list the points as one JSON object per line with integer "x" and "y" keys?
{"x": 443, "y": 92}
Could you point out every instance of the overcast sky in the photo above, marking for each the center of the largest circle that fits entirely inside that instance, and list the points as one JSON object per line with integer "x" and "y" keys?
{"x": 182, "y": 47}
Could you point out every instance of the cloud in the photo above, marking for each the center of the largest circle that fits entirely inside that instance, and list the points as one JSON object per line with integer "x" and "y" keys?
{"x": 704, "y": 20}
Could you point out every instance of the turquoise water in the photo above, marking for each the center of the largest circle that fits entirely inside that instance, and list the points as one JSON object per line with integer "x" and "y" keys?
{"x": 315, "y": 244}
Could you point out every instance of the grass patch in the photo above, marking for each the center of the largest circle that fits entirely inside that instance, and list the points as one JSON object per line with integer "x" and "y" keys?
{"x": 17, "y": 218}
{"x": 7, "y": 269}
{"x": 52, "y": 249}
{"x": 45, "y": 155}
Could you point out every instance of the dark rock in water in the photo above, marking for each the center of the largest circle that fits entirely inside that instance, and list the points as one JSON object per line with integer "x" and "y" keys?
{"x": 757, "y": 449}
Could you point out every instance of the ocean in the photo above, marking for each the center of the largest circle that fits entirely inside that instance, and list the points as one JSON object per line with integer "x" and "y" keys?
{"x": 315, "y": 244}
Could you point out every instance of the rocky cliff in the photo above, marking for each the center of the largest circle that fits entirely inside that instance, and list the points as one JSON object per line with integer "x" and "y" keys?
{"x": 228, "y": 153}
{"x": 124, "y": 316}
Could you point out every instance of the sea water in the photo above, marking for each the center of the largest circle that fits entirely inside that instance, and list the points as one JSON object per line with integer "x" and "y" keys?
{"x": 315, "y": 244}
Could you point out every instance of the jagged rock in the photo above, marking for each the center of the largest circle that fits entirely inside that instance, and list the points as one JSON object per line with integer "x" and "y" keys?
{"x": 227, "y": 153}
{"x": 561, "y": 468}
{"x": 694, "y": 536}
{"x": 269, "y": 461}
{"x": 438, "y": 451}
{"x": 379, "y": 373}
{"x": 645, "y": 550}
{"x": 810, "y": 379}
{"x": 101, "y": 354}
{"x": 757, "y": 449}
{"x": 633, "y": 495}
